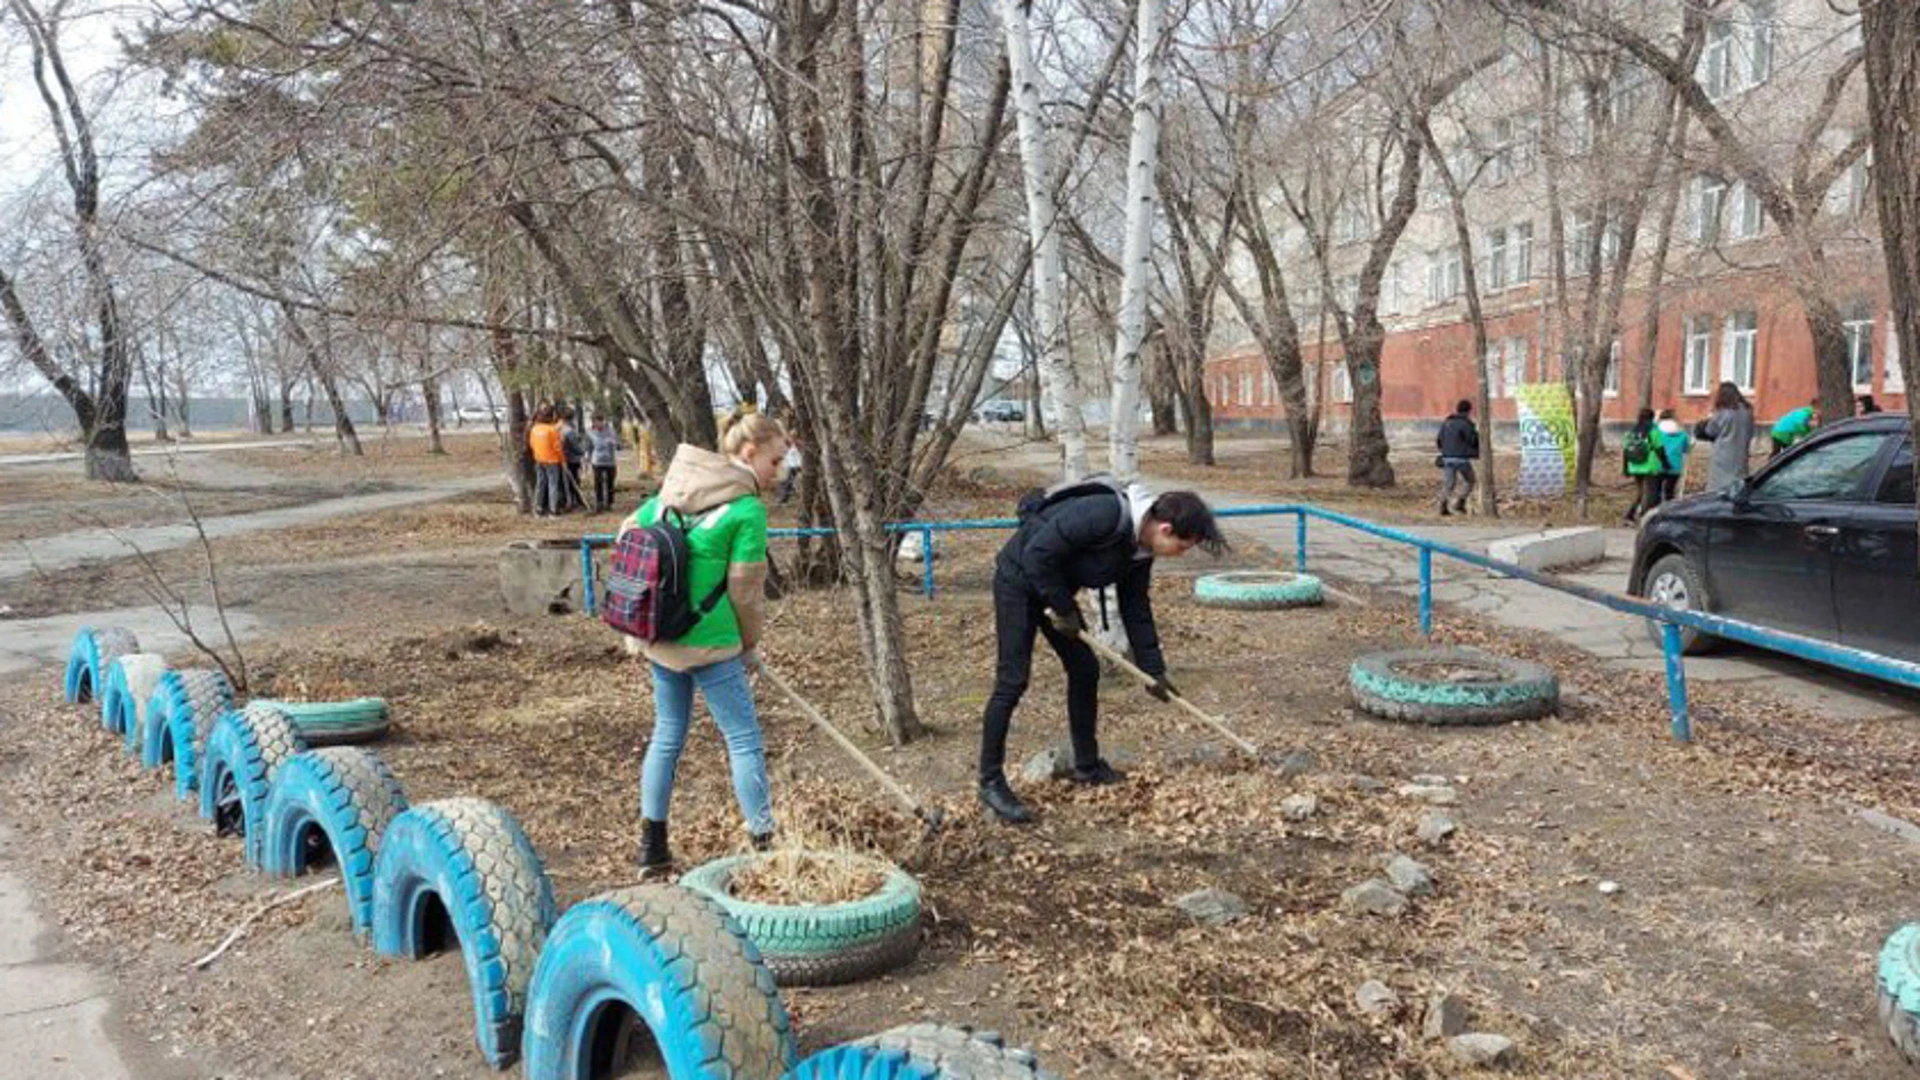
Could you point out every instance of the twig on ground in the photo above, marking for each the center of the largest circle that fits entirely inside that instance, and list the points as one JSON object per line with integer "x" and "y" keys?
{"x": 246, "y": 924}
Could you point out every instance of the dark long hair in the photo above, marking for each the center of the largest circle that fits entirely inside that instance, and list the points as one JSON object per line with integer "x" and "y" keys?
{"x": 1728, "y": 397}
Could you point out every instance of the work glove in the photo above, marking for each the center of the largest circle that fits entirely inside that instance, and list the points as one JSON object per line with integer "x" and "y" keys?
{"x": 1162, "y": 690}
{"x": 1068, "y": 622}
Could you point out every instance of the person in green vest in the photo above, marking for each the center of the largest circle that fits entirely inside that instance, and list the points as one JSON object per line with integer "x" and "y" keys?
{"x": 1795, "y": 426}
{"x": 1674, "y": 444}
{"x": 1640, "y": 459}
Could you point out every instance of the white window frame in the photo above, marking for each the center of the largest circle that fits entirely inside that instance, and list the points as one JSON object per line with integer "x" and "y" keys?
{"x": 1500, "y": 152}
{"x": 1496, "y": 259}
{"x": 1717, "y": 59}
{"x": 1520, "y": 240}
{"x": 1246, "y": 389}
{"x": 1513, "y": 365}
{"x": 1741, "y": 348}
{"x": 1757, "y": 49}
{"x": 1705, "y": 208}
{"x": 1859, "y": 332}
{"x": 1894, "y": 381}
{"x": 1748, "y": 219}
{"x": 1267, "y": 390}
{"x": 1342, "y": 384}
{"x": 1612, "y": 386}
{"x": 1347, "y": 292}
{"x": 1697, "y": 355}
{"x": 1579, "y": 235}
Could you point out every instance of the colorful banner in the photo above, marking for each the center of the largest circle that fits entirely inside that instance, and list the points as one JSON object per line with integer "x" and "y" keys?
{"x": 1546, "y": 440}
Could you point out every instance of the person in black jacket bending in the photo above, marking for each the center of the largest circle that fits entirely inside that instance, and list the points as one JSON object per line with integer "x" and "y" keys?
{"x": 1092, "y": 539}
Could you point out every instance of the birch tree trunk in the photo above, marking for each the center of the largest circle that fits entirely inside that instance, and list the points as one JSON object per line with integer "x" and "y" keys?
{"x": 1049, "y": 268}
{"x": 1143, "y": 157}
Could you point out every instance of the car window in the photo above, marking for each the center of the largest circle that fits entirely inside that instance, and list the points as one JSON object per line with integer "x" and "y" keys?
{"x": 1836, "y": 469}
{"x": 1897, "y": 488}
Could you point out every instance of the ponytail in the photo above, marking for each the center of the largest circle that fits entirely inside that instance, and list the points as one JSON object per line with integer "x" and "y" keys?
{"x": 747, "y": 424}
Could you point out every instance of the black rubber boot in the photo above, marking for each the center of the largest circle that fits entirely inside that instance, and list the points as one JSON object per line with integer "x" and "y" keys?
{"x": 1096, "y": 774}
{"x": 654, "y": 856}
{"x": 761, "y": 841}
{"x": 996, "y": 796}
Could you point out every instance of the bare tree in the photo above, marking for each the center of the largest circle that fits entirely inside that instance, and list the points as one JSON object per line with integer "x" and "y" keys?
{"x": 1891, "y": 32}
{"x": 102, "y": 411}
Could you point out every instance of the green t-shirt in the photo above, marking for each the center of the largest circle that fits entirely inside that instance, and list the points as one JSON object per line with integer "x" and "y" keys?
{"x": 734, "y": 532}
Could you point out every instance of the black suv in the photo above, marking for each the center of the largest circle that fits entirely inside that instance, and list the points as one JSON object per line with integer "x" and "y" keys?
{"x": 1820, "y": 542}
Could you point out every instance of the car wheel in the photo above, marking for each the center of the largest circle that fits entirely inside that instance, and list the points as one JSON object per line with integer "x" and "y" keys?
{"x": 1673, "y": 582}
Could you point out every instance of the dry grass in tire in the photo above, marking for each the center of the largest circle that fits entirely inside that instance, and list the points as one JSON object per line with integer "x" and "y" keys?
{"x": 795, "y": 876}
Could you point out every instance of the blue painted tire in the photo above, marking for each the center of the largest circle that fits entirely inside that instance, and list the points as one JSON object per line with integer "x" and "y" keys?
{"x": 924, "y": 1052}
{"x": 822, "y": 944}
{"x": 344, "y": 794}
{"x": 1448, "y": 686}
{"x": 682, "y": 966}
{"x": 130, "y": 682}
{"x": 180, "y": 714}
{"x": 1898, "y": 985}
{"x": 472, "y": 857}
{"x": 87, "y": 660}
{"x": 1258, "y": 590}
{"x": 245, "y": 751}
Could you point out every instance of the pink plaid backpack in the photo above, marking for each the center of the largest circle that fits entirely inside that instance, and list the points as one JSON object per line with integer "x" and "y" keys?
{"x": 648, "y": 582}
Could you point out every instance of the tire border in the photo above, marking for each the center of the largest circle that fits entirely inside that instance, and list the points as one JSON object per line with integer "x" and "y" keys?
{"x": 924, "y": 1052}
{"x": 1897, "y": 987}
{"x": 329, "y": 789}
{"x": 429, "y": 850}
{"x": 1230, "y": 589}
{"x": 338, "y": 723}
{"x": 192, "y": 700}
{"x": 251, "y": 745}
{"x": 685, "y": 968}
{"x": 1527, "y": 690}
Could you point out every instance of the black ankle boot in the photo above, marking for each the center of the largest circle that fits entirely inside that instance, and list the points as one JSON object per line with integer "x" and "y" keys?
{"x": 761, "y": 841}
{"x": 654, "y": 855}
{"x": 1096, "y": 774}
{"x": 999, "y": 798}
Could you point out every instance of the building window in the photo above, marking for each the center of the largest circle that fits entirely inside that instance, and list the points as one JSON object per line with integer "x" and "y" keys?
{"x": 1520, "y": 239}
{"x": 1342, "y": 385}
{"x": 1514, "y": 373}
{"x": 1736, "y": 358}
{"x": 1847, "y": 198}
{"x": 1443, "y": 275}
{"x": 1576, "y": 121}
{"x": 1748, "y": 218}
{"x": 1268, "y": 391}
{"x": 1500, "y": 152}
{"x": 1246, "y": 388}
{"x": 1859, "y": 331}
{"x": 1612, "y": 388}
{"x": 1625, "y": 92}
{"x": 1698, "y": 375}
{"x": 1707, "y": 202}
{"x": 1351, "y": 222}
{"x": 1496, "y": 262}
{"x": 1739, "y": 52}
{"x": 1347, "y": 292}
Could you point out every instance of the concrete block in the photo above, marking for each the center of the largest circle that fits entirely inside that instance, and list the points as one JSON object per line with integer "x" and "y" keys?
{"x": 1551, "y": 549}
{"x": 542, "y": 577}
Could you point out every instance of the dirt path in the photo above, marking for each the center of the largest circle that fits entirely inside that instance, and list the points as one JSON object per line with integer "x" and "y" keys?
{"x": 53, "y": 554}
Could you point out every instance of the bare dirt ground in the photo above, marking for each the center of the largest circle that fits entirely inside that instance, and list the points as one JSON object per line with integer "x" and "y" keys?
{"x": 1739, "y": 945}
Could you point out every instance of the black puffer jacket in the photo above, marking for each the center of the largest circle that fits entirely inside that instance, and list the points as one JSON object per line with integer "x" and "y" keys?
{"x": 1088, "y": 542}
{"x": 1459, "y": 438}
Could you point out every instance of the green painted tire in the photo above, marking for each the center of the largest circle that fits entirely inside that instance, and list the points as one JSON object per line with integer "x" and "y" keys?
{"x": 336, "y": 723}
{"x": 822, "y": 944}
{"x": 1899, "y": 990}
{"x": 1258, "y": 590}
{"x": 1446, "y": 686}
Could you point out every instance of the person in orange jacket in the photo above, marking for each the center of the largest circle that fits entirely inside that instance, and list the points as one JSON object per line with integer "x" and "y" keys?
{"x": 549, "y": 463}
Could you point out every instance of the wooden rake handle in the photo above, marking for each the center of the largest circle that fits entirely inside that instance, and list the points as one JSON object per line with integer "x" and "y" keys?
{"x": 906, "y": 799}
{"x": 1109, "y": 654}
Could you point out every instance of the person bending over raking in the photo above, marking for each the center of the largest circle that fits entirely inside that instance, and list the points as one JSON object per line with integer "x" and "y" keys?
{"x": 1094, "y": 534}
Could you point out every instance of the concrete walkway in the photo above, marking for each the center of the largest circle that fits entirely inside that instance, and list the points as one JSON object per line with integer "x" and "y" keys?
{"x": 1620, "y": 641}
{"x": 166, "y": 450}
{"x": 53, "y": 1015}
{"x": 70, "y": 549}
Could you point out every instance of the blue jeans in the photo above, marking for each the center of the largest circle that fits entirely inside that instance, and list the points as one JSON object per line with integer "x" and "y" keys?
{"x": 730, "y": 700}
{"x": 550, "y": 489}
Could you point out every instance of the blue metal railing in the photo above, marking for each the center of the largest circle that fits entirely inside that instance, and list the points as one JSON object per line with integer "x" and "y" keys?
{"x": 1857, "y": 661}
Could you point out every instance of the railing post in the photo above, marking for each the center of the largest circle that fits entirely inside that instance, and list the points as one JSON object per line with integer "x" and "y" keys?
{"x": 1300, "y": 542}
{"x": 926, "y": 558}
{"x": 1676, "y": 683}
{"x": 586, "y": 575}
{"x": 1426, "y": 591}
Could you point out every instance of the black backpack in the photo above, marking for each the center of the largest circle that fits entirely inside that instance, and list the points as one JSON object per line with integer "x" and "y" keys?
{"x": 1039, "y": 499}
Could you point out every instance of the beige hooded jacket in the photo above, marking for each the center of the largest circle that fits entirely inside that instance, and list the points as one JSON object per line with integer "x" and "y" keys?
{"x": 696, "y": 481}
